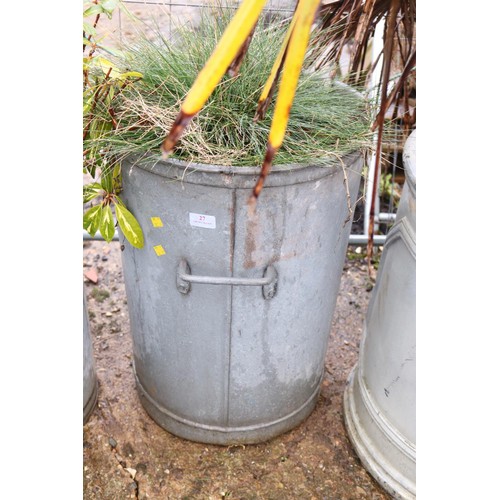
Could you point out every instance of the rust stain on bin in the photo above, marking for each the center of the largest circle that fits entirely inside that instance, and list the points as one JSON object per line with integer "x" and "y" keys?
{"x": 232, "y": 234}
{"x": 251, "y": 236}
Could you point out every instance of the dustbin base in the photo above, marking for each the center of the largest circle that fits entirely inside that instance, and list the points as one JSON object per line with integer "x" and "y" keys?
{"x": 211, "y": 434}
{"x": 387, "y": 455}
{"x": 90, "y": 405}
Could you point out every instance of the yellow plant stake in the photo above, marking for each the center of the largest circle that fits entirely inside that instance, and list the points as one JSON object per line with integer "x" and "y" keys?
{"x": 306, "y": 11}
{"x": 225, "y": 52}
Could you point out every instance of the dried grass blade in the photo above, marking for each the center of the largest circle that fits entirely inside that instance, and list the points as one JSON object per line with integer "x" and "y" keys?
{"x": 361, "y": 34}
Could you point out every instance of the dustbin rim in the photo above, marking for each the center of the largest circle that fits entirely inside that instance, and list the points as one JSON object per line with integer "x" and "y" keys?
{"x": 237, "y": 177}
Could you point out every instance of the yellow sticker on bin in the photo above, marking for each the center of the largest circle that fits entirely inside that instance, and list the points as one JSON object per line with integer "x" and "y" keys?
{"x": 156, "y": 221}
{"x": 159, "y": 250}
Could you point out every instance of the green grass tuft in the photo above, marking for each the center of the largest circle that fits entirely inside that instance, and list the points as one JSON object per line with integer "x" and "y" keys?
{"x": 99, "y": 294}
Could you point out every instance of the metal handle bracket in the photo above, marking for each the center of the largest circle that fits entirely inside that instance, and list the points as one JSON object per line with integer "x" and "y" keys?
{"x": 269, "y": 282}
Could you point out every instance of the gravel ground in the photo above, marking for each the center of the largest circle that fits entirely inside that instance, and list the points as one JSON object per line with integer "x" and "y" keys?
{"x": 127, "y": 455}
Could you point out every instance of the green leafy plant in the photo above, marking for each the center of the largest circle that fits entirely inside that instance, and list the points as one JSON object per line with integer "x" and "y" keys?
{"x": 389, "y": 189}
{"x": 99, "y": 294}
{"x": 102, "y": 84}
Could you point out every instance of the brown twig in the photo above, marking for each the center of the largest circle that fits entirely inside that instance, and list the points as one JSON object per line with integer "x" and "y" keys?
{"x": 94, "y": 103}
{"x": 390, "y": 27}
{"x": 98, "y": 16}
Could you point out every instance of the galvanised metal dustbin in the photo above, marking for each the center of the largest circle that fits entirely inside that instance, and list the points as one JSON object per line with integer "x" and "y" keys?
{"x": 230, "y": 309}
{"x": 380, "y": 398}
{"x": 89, "y": 375}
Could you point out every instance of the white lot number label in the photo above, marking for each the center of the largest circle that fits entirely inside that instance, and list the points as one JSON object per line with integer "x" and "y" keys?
{"x": 200, "y": 220}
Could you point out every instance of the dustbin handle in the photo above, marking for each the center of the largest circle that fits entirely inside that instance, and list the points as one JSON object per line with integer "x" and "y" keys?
{"x": 269, "y": 282}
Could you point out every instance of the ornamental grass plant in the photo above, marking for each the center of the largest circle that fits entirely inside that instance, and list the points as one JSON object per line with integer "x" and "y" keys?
{"x": 326, "y": 119}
